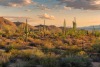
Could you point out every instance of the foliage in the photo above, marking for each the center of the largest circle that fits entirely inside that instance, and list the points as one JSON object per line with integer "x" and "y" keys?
{"x": 75, "y": 61}
{"x": 96, "y": 46}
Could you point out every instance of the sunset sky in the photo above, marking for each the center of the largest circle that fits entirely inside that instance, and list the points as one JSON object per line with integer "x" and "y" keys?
{"x": 87, "y": 12}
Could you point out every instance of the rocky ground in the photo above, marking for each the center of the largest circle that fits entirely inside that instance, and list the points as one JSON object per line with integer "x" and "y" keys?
{"x": 96, "y": 64}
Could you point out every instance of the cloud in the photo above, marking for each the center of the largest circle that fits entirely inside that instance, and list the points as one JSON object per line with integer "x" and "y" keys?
{"x": 47, "y": 16}
{"x": 16, "y": 17}
{"x": 67, "y": 8}
{"x": 82, "y": 4}
{"x": 16, "y": 3}
{"x": 43, "y": 7}
{"x": 28, "y": 10}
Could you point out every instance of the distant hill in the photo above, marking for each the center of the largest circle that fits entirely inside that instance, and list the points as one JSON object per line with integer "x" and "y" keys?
{"x": 51, "y": 28}
{"x": 5, "y": 22}
{"x": 22, "y": 25}
{"x": 16, "y": 25}
{"x": 97, "y": 27}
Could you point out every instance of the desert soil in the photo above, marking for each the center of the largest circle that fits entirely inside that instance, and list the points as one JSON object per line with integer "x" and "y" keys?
{"x": 96, "y": 64}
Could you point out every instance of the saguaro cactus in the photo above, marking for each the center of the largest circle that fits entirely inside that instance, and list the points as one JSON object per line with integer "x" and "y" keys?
{"x": 94, "y": 31}
{"x": 44, "y": 28}
{"x": 26, "y": 31}
{"x": 64, "y": 28}
{"x": 74, "y": 24}
{"x": 39, "y": 28}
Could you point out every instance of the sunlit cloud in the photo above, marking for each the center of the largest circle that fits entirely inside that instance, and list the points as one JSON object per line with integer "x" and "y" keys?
{"x": 28, "y": 10}
{"x": 47, "y": 16}
{"x": 16, "y": 3}
{"x": 67, "y": 8}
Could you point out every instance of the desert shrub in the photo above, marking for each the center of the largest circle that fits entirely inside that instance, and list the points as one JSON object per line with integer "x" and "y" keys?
{"x": 72, "y": 50}
{"x": 57, "y": 43}
{"x": 48, "y": 44}
{"x": 34, "y": 35}
{"x": 8, "y": 48}
{"x": 96, "y": 46}
{"x": 1, "y": 33}
{"x": 77, "y": 33}
{"x": 75, "y": 61}
{"x": 29, "y": 53}
{"x": 95, "y": 55}
{"x": 35, "y": 42}
{"x": 30, "y": 39}
{"x": 15, "y": 53}
{"x": 56, "y": 51}
{"x": 26, "y": 54}
{"x": 44, "y": 61}
{"x": 18, "y": 63}
{"x": 18, "y": 40}
{"x": 2, "y": 44}
{"x": 15, "y": 45}
{"x": 8, "y": 30}
{"x": 82, "y": 53}
{"x": 49, "y": 62}
{"x": 4, "y": 59}
{"x": 43, "y": 43}
{"x": 97, "y": 33}
{"x": 69, "y": 61}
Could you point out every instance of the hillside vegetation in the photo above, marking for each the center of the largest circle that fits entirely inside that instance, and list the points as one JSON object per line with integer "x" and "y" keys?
{"x": 23, "y": 45}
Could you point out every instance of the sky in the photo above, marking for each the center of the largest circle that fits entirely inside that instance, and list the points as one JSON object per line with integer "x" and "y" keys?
{"x": 87, "y": 12}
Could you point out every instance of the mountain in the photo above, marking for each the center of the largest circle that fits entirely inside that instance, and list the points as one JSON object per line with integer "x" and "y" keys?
{"x": 51, "y": 28}
{"x": 96, "y": 27}
{"x": 4, "y": 22}
{"x": 22, "y": 25}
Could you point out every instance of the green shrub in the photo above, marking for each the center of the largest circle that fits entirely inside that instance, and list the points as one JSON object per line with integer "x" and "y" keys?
{"x": 96, "y": 46}
{"x": 73, "y": 61}
{"x": 49, "y": 62}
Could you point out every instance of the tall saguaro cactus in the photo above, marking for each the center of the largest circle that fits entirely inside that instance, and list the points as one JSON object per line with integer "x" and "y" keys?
{"x": 74, "y": 24}
{"x": 44, "y": 28}
{"x": 94, "y": 31}
{"x": 64, "y": 28}
{"x": 26, "y": 31}
{"x": 44, "y": 25}
{"x": 39, "y": 28}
